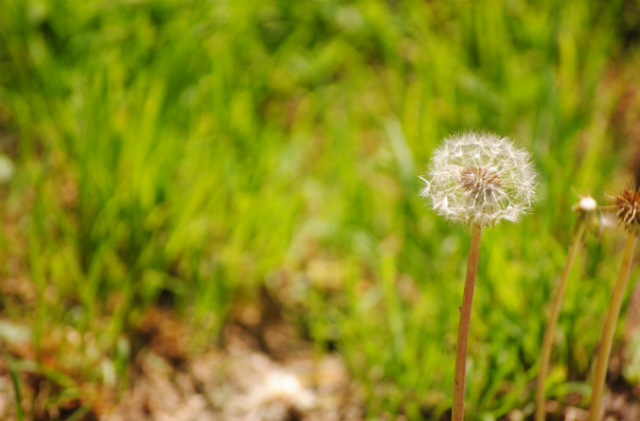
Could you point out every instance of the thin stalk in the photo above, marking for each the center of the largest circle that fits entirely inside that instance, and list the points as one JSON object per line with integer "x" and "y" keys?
{"x": 604, "y": 351}
{"x": 463, "y": 330}
{"x": 553, "y": 319}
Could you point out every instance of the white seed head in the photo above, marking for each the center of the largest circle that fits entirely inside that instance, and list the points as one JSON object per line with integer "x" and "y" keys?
{"x": 587, "y": 204}
{"x": 480, "y": 178}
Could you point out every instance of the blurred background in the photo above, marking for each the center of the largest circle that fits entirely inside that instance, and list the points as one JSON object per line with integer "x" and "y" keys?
{"x": 180, "y": 174}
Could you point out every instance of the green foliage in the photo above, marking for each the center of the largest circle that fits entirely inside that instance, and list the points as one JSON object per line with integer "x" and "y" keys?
{"x": 201, "y": 149}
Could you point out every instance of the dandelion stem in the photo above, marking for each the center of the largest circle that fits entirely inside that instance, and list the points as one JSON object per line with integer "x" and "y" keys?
{"x": 553, "y": 318}
{"x": 606, "y": 341}
{"x": 463, "y": 329}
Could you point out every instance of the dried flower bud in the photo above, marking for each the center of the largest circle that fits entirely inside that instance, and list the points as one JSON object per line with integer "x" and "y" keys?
{"x": 480, "y": 178}
{"x": 628, "y": 215}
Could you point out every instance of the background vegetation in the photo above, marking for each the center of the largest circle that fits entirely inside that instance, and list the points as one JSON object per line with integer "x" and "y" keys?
{"x": 200, "y": 154}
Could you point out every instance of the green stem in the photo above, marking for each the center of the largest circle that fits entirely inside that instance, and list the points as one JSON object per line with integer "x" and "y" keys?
{"x": 463, "y": 329}
{"x": 553, "y": 319}
{"x": 609, "y": 329}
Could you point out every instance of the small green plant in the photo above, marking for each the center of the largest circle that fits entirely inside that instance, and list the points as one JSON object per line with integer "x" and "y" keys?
{"x": 585, "y": 210}
{"x": 479, "y": 180}
{"x": 627, "y": 204}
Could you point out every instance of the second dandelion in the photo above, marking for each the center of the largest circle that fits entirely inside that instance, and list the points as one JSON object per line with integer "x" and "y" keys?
{"x": 627, "y": 204}
{"x": 477, "y": 179}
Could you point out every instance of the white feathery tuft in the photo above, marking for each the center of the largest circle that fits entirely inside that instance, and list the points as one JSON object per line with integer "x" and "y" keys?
{"x": 480, "y": 178}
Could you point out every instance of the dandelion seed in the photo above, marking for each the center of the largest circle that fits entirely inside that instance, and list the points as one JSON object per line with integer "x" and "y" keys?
{"x": 480, "y": 178}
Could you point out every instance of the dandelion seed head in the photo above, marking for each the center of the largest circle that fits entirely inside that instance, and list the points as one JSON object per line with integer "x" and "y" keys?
{"x": 587, "y": 204}
{"x": 587, "y": 212}
{"x": 628, "y": 205}
{"x": 480, "y": 178}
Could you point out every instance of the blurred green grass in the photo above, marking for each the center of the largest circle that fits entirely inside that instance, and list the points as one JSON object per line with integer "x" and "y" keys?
{"x": 200, "y": 150}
